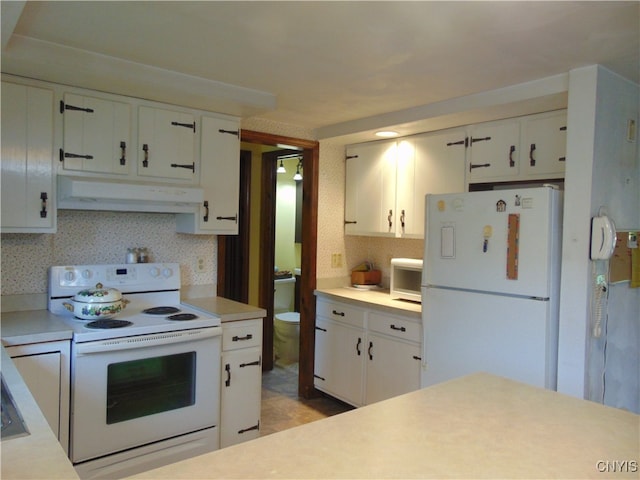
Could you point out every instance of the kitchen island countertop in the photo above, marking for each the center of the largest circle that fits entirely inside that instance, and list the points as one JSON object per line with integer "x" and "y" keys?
{"x": 479, "y": 426}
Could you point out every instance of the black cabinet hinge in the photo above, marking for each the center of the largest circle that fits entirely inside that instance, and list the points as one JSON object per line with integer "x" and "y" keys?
{"x": 66, "y": 106}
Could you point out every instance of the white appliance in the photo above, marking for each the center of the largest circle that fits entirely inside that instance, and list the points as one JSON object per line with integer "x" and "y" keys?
{"x": 406, "y": 279}
{"x": 491, "y": 285}
{"x": 145, "y": 385}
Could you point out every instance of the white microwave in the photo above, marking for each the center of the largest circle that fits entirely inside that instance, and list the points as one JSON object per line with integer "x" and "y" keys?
{"x": 406, "y": 279}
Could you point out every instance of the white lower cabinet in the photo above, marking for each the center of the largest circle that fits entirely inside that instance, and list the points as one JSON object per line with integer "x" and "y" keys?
{"x": 393, "y": 356}
{"x": 339, "y": 361}
{"x": 241, "y": 378}
{"x": 364, "y": 355}
{"x": 45, "y": 367}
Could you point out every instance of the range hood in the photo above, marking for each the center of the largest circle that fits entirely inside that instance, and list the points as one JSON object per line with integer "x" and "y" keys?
{"x": 88, "y": 193}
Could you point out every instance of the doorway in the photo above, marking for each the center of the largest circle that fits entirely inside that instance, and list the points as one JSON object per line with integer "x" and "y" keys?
{"x": 230, "y": 258}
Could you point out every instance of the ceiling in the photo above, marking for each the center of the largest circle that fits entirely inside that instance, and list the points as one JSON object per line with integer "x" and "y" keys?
{"x": 321, "y": 65}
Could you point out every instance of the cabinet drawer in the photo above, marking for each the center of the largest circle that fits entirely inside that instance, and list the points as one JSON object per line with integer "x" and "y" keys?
{"x": 242, "y": 334}
{"x": 395, "y": 327}
{"x": 340, "y": 312}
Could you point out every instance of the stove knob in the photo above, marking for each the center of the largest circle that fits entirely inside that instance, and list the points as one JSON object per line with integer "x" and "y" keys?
{"x": 154, "y": 272}
{"x": 87, "y": 274}
{"x": 69, "y": 276}
{"x": 167, "y": 272}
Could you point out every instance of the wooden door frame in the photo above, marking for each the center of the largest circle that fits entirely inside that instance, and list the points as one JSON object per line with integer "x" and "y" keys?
{"x": 311, "y": 159}
{"x": 240, "y": 241}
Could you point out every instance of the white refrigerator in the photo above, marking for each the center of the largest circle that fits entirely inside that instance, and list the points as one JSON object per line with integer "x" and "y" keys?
{"x": 490, "y": 285}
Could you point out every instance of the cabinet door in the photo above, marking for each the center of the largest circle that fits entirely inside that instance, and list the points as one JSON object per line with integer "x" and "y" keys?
{"x": 432, "y": 163}
{"x": 544, "y": 145}
{"x": 370, "y": 189}
{"x": 219, "y": 179}
{"x": 393, "y": 368}
{"x": 41, "y": 373}
{"x": 339, "y": 356}
{"x": 96, "y": 135}
{"x": 494, "y": 151}
{"x": 166, "y": 144}
{"x": 240, "y": 396}
{"x": 27, "y": 159}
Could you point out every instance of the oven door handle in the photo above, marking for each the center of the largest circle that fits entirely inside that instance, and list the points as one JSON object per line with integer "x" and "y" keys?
{"x": 143, "y": 341}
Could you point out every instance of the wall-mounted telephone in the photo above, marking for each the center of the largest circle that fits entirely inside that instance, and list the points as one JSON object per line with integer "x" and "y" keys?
{"x": 603, "y": 237}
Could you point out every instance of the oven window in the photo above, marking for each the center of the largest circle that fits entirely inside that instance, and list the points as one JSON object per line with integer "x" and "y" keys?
{"x": 138, "y": 388}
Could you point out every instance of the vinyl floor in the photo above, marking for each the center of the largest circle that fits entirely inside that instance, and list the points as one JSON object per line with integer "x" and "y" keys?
{"x": 283, "y": 409}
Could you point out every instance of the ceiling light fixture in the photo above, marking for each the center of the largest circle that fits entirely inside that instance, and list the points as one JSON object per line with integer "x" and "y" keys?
{"x": 281, "y": 168}
{"x": 386, "y": 133}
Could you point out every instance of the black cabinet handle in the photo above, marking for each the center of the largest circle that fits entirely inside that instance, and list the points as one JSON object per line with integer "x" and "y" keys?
{"x": 336, "y": 312}
{"x": 255, "y": 427}
{"x": 369, "y": 351}
{"x": 236, "y": 338}
{"x": 43, "y": 208}
{"x": 532, "y": 161}
{"x": 319, "y": 377}
{"x": 145, "y": 149}
{"x": 350, "y": 222}
{"x": 389, "y": 217}
{"x": 321, "y": 329}
{"x": 483, "y": 139}
{"x": 205, "y": 218}
{"x": 512, "y": 162}
{"x": 348, "y": 157}
{"x": 358, "y": 346}
{"x": 400, "y": 329}
{"x": 464, "y": 142}
{"x": 402, "y": 219}
{"x": 227, "y": 382}
{"x": 123, "y": 153}
{"x": 416, "y": 357}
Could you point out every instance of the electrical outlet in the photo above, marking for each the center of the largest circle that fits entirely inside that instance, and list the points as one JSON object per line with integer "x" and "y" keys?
{"x": 201, "y": 265}
{"x": 336, "y": 260}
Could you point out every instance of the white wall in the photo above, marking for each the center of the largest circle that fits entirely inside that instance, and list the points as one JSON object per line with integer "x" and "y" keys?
{"x": 602, "y": 170}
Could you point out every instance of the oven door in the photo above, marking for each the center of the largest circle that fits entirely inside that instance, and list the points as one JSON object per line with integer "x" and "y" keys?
{"x": 132, "y": 391}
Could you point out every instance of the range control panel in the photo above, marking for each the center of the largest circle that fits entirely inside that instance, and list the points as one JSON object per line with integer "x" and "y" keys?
{"x": 137, "y": 277}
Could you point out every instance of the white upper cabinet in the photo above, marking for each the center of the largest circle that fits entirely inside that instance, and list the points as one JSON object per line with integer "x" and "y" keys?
{"x": 544, "y": 145}
{"x": 494, "y": 148}
{"x": 386, "y": 182}
{"x": 219, "y": 178}
{"x": 370, "y": 189}
{"x": 28, "y": 203}
{"x": 97, "y": 135}
{"x": 518, "y": 149}
{"x": 428, "y": 163}
{"x": 166, "y": 144}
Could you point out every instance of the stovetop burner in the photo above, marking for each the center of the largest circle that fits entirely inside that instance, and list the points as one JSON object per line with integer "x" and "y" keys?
{"x": 108, "y": 323}
{"x": 182, "y": 316}
{"x": 161, "y": 310}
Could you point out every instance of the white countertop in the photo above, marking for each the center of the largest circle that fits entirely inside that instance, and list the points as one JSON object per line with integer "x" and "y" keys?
{"x": 32, "y": 326}
{"x": 375, "y": 297}
{"x": 37, "y": 455}
{"x": 227, "y": 310}
{"x": 480, "y": 426}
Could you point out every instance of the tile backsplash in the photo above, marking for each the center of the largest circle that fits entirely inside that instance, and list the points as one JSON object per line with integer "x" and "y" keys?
{"x": 87, "y": 237}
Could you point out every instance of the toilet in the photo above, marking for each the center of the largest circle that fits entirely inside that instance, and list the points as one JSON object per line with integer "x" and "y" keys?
{"x": 286, "y": 322}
